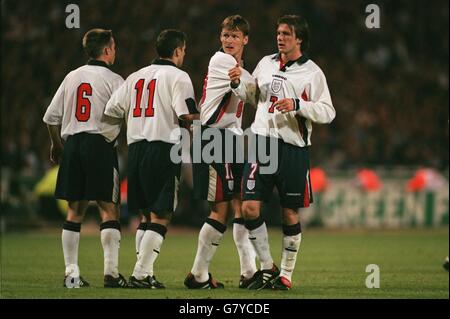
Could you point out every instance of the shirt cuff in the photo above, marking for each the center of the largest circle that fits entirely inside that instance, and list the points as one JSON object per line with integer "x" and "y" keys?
{"x": 239, "y": 91}
{"x": 234, "y": 85}
{"x": 296, "y": 105}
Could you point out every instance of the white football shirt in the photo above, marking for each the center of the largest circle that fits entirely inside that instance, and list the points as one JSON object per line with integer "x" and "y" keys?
{"x": 80, "y": 101}
{"x": 152, "y": 99}
{"x": 219, "y": 107}
{"x": 302, "y": 80}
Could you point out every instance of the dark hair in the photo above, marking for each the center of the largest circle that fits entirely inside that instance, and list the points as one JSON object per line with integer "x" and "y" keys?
{"x": 236, "y": 23}
{"x": 95, "y": 40}
{"x": 168, "y": 40}
{"x": 299, "y": 26}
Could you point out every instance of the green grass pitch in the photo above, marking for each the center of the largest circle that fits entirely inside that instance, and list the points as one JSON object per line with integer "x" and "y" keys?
{"x": 331, "y": 264}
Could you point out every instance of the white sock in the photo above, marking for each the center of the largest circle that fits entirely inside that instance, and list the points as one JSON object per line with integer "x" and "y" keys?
{"x": 70, "y": 241}
{"x": 260, "y": 241}
{"x": 208, "y": 240}
{"x": 139, "y": 234}
{"x": 247, "y": 254}
{"x": 149, "y": 250}
{"x": 110, "y": 238}
{"x": 291, "y": 246}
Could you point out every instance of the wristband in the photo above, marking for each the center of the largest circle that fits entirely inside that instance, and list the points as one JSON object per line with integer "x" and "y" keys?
{"x": 234, "y": 85}
{"x": 297, "y": 104}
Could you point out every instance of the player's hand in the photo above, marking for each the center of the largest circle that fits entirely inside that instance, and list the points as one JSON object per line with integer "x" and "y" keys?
{"x": 56, "y": 152}
{"x": 235, "y": 75}
{"x": 285, "y": 105}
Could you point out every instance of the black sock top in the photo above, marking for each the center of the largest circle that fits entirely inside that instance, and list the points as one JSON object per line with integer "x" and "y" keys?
{"x": 252, "y": 224}
{"x": 72, "y": 226}
{"x": 157, "y": 228}
{"x": 142, "y": 226}
{"x": 216, "y": 225}
{"x": 114, "y": 224}
{"x": 292, "y": 230}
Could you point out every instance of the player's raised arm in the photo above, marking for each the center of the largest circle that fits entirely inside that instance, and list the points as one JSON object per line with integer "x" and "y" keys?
{"x": 235, "y": 82}
{"x": 235, "y": 75}
{"x": 246, "y": 88}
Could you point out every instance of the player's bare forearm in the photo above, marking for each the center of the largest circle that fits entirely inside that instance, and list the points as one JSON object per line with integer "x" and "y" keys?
{"x": 112, "y": 120}
{"x": 57, "y": 147}
{"x": 190, "y": 117}
{"x": 55, "y": 134}
{"x": 235, "y": 76}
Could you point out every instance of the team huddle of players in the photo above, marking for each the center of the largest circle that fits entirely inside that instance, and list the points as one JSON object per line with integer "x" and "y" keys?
{"x": 289, "y": 92}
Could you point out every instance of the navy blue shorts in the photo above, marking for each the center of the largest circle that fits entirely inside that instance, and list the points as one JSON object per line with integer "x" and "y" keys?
{"x": 291, "y": 177}
{"x": 217, "y": 181}
{"x": 88, "y": 169}
{"x": 152, "y": 178}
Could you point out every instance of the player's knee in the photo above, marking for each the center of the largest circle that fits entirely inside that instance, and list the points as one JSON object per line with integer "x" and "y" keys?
{"x": 250, "y": 210}
{"x": 220, "y": 212}
{"x": 75, "y": 215}
{"x": 110, "y": 215}
{"x": 221, "y": 218}
{"x": 161, "y": 217}
{"x": 109, "y": 211}
{"x": 290, "y": 216}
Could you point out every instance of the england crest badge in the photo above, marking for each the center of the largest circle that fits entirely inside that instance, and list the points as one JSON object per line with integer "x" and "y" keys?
{"x": 230, "y": 184}
{"x": 276, "y": 85}
{"x": 250, "y": 184}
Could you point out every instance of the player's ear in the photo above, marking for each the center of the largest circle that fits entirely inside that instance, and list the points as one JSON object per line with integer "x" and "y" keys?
{"x": 181, "y": 50}
{"x": 245, "y": 39}
{"x": 177, "y": 52}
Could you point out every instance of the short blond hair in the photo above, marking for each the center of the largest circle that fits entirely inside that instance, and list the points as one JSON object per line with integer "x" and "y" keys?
{"x": 236, "y": 23}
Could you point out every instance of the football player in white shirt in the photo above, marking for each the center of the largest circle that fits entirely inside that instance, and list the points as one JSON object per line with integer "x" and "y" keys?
{"x": 293, "y": 93}
{"x": 219, "y": 183}
{"x": 152, "y": 100}
{"x": 83, "y": 142}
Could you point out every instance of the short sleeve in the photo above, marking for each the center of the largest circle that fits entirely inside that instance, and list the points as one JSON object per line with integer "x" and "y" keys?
{"x": 54, "y": 113}
{"x": 183, "y": 96}
{"x": 119, "y": 103}
{"x": 220, "y": 65}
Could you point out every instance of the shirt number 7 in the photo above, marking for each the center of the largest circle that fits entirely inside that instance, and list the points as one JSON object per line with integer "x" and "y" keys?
{"x": 273, "y": 99}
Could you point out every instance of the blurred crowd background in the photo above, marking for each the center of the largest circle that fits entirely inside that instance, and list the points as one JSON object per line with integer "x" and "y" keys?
{"x": 389, "y": 85}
